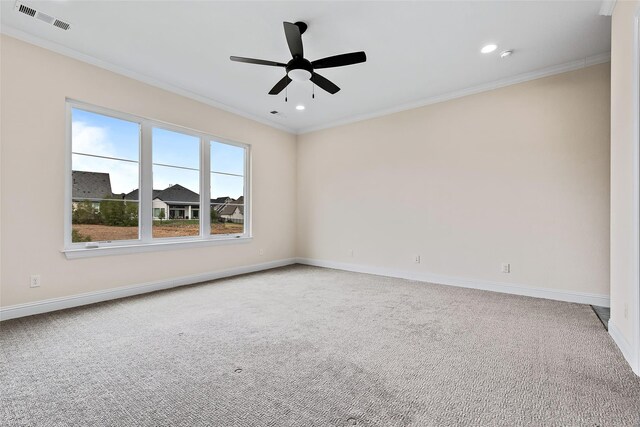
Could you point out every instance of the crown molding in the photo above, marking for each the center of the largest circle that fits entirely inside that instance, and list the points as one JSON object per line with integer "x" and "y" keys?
{"x": 72, "y": 53}
{"x": 607, "y": 6}
{"x": 472, "y": 90}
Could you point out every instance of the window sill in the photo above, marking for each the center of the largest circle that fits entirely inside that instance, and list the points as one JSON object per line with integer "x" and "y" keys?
{"x": 74, "y": 253}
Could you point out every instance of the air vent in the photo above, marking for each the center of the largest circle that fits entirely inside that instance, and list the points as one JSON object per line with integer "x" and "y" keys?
{"x": 277, "y": 114}
{"x": 61, "y": 24}
{"x": 27, "y": 10}
{"x": 51, "y": 20}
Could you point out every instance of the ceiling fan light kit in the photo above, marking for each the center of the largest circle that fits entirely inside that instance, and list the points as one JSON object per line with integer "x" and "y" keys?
{"x": 300, "y": 69}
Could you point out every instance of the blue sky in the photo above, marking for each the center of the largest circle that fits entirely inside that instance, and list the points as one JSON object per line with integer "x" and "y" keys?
{"x": 110, "y": 137}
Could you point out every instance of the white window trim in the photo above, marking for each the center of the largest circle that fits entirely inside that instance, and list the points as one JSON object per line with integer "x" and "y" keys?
{"x": 146, "y": 242}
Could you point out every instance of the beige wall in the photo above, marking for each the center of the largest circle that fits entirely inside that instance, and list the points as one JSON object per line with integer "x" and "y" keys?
{"x": 517, "y": 175}
{"x": 624, "y": 152}
{"x": 34, "y": 83}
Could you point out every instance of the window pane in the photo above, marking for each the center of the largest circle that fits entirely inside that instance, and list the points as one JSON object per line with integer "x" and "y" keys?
{"x": 104, "y": 189}
{"x": 175, "y": 149}
{"x": 98, "y": 178}
{"x": 104, "y": 136}
{"x": 227, "y": 158}
{"x": 176, "y": 184}
{"x": 227, "y": 204}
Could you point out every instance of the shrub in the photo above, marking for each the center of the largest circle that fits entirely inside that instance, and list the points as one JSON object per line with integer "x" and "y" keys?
{"x": 119, "y": 213}
{"x": 85, "y": 213}
{"x": 77, "y": 237}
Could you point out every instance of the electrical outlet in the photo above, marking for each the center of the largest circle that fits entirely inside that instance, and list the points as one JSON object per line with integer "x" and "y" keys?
{"x": 351, "y": 252}
{"x": 35, "y": 281}
{"x": 261, "y": 251}
{"x": 626, "y": 311}
{"x": 506, "y": 268}
{"x": 416, "y": 259}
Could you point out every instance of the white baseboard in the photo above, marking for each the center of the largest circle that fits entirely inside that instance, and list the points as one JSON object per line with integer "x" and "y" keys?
{"x": 45, "y": 306}
{"x": 625, "y": 347}
{"x": 507, "y": 288}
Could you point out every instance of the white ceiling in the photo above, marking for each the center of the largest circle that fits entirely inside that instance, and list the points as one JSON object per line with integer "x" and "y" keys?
{"x": 416, "y": 50}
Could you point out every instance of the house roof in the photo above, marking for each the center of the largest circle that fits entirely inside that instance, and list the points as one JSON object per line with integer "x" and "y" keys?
{"x": 177, "y": 194}
{"x": 219, "y": 203}
{"x": 135, "y": 196}
{"x": 218, "y": 200}
{"x": 231, "y": 207}
{"x": 91, "y": 185}
{"x": 174, "y": 195}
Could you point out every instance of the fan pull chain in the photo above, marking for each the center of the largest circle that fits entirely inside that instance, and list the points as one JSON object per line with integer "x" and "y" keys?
{"x": 286, "y": 94}
{"x": 313, "y": 91}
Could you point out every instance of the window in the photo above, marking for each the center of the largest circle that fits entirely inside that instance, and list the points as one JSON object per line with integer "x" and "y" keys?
{"x": 227, "y": 188}
{"x": 137, "y": 183}
{"x": 176, "y": 183}
{"x": 105, "y": 154}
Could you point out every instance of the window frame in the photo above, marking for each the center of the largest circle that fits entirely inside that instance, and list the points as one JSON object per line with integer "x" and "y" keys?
{"x": 146, "y": 242}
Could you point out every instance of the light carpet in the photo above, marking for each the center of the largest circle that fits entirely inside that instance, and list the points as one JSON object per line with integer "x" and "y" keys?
{"x": 305, "y": 346}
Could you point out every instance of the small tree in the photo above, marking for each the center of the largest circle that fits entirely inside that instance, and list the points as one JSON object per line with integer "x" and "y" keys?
{"x": 215, "y": 217}
{"x": 113, "y": 213}
{"x": 161, "y": 215}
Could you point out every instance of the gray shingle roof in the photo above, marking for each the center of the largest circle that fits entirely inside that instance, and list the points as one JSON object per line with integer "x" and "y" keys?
{"x": 231, "y": 207}
{"x": 177, "y": 194}
{"x": 91, "y": 185}
{"x": 135, "y": 196}
{"x": 220, "y": 200}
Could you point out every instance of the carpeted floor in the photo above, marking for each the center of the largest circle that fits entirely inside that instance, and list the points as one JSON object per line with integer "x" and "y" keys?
{"x": 304, "y": 346}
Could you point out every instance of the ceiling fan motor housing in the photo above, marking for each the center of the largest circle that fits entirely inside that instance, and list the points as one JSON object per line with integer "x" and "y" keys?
{"x": 299, "y": 69}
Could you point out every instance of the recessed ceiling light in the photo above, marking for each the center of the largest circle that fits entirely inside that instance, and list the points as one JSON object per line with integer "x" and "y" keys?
{"x": 300, "y": 107}
{"x": 488, "y": 48}
{"x": 506, "y": 53}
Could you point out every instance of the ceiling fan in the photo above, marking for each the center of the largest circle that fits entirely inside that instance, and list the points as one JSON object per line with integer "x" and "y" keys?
{"x": 300, "y": 69}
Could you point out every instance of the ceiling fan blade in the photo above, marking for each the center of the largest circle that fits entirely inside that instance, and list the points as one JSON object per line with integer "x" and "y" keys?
{"x": 294, "y": 39}
{"x": 324, "y": 83}
{"x": 340, "y": 60}
{"x": 279, "y": 87}
{"x": 257, "y": 61}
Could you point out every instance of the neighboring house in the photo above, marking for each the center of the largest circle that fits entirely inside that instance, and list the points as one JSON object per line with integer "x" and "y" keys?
{"x": 93, "y": 186}
{"x": 176, "y": 202}
{"x": 233, "y": 211}
{"x": 219, "y": 203}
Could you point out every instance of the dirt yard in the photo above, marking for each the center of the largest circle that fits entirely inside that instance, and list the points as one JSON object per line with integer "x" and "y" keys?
{"x": 97, "y": 233}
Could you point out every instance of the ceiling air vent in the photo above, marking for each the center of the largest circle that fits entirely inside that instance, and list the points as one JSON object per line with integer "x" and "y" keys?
{"x": 26, "y": 10}
{"x": 277, "y": 113}
{"x": 51, "y": 20}
{"x": 61, "y": 24}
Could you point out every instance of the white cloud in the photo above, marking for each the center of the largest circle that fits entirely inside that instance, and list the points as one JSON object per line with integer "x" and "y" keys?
{"x": 95, "y": 140}
{"x": 90, "y": 139}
